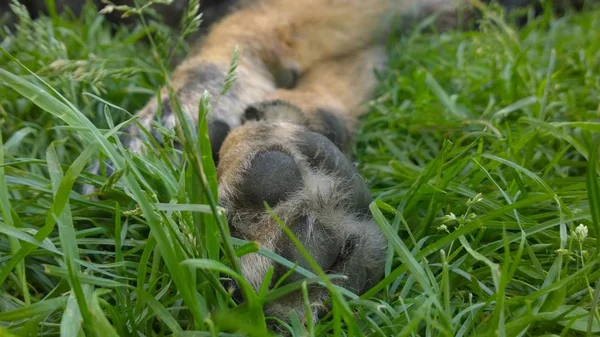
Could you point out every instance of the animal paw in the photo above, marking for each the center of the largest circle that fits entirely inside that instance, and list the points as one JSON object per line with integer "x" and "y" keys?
{"x": 312, "y": 187}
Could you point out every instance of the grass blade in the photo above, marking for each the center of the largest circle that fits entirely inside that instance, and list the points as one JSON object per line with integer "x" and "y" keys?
{"x": 41, "y": 308}
{"x": 593, "y": 190}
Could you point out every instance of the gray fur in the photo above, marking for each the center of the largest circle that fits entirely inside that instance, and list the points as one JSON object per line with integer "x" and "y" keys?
{"x": 323, "y": 154}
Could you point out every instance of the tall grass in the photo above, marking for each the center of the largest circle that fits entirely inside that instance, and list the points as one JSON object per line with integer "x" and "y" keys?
{"x": 481, "y": 148}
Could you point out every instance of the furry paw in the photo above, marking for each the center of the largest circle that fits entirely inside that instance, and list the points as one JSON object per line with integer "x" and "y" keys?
{"x": 315, "y": 190}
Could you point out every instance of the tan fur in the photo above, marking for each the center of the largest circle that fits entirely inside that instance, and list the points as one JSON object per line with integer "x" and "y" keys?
{"x": 275, "y": 36}
{"x": 342, "y": 86}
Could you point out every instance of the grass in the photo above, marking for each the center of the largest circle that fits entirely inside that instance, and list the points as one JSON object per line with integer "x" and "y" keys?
{"x": 481, "y": 148}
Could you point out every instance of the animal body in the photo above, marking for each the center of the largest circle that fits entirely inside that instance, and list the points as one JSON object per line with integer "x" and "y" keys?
{"x": 281, "y": 133}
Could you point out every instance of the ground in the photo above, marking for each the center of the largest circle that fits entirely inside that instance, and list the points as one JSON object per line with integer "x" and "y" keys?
{"x": 481, "y": 149}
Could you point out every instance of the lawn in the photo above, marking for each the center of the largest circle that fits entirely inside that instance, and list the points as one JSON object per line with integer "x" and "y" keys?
{"x": 481, "y": 149}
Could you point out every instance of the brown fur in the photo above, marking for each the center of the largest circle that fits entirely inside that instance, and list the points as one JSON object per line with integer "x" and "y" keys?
{"x": 276, "y": 36}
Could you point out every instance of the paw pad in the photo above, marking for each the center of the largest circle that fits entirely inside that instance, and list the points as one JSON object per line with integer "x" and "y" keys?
{"x": 271, "y": 177}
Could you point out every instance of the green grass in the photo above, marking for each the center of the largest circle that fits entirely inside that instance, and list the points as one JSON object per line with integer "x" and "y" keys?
{"x": 481, "y": 148}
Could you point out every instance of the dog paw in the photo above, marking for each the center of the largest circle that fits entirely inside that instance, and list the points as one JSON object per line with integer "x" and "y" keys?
{"x": 312, "y": 187}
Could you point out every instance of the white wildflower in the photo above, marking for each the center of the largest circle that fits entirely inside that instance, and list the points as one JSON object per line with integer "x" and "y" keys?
{"x": 580, "y": 232}
{"x": 477, "y": 198}
{"x": 107, "y": 9}
{"x": 449, "y": 217}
